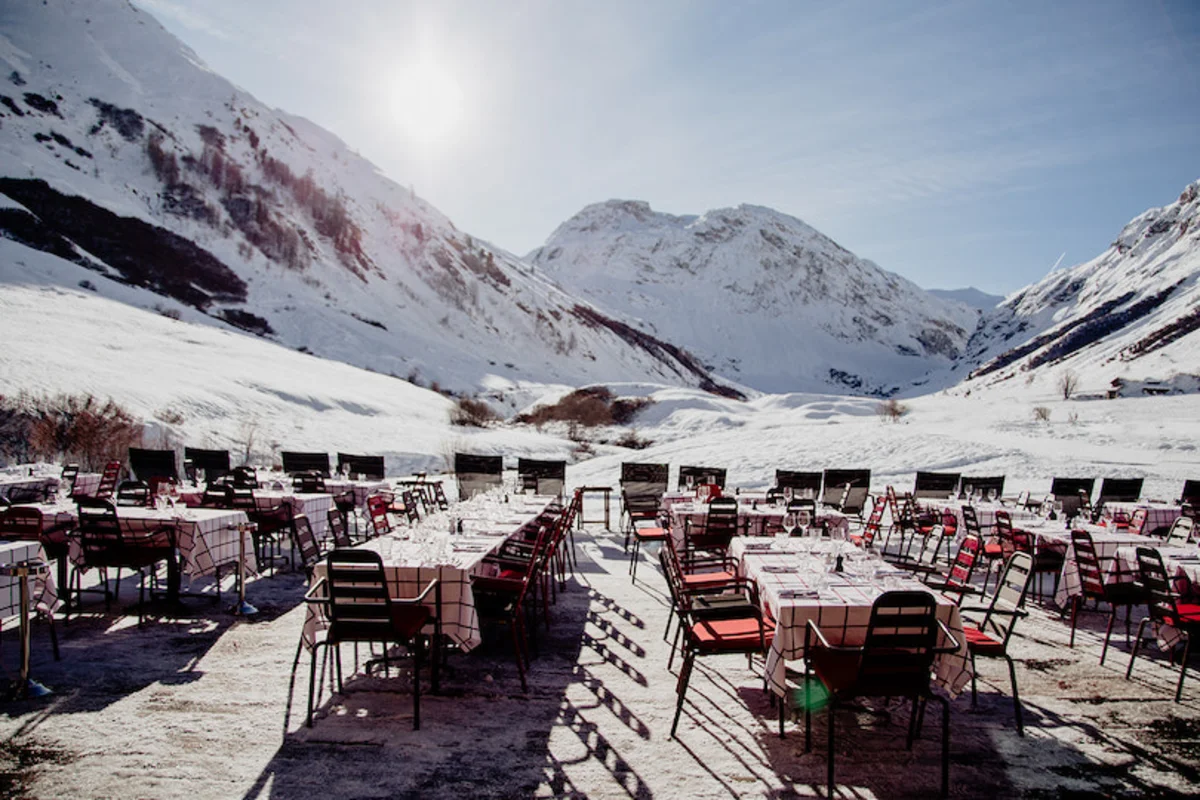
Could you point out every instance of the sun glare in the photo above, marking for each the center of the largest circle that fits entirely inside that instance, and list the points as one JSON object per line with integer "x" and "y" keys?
{"x": 428, "y": 103}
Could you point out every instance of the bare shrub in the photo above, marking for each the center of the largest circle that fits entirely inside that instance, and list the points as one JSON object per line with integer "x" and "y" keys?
{"x": 632, "y": 441}
{"x": 590, "y": 407}
{"x": 469, "y": 412}
{"x": 1041, "y": 413}
{"x": 76, "y": 428}
{"x": 891, "y": 410}
{"x": 1068, "y": 382}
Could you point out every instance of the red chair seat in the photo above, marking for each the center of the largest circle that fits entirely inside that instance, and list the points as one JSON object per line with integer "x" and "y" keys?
{"x": 650, "y": 534}
{"x": 981, "y": 643}
{"x": 701, "y": 579}
{"x": 1189, "y": 613}
{"x": 993, "y": 550}
{"x": 836, "y": 669}
{"x": 738, "y": 635}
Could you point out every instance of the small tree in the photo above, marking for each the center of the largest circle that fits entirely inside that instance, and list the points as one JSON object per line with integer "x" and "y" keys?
{"x": 1068, "y": 382}
{"x": 1041, "y": 413}
{"x": 472, "y": 413}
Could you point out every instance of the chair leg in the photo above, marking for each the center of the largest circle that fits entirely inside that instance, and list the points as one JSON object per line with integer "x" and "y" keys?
{"x": 417, "y": 653}
{"x": 1137, "y": 644}
{"x": 974, "y": 694}
{"x": 633, "y": 558}
{"x": 312, "y": 678}
{"x": 1076, "y": 601}
{"x": 829, "y": 754}
{"x": 807, "y": 710}
{"x": 1012, "y": 674}
{"x": 1183, "y": 663}
{"x": 53, "y": 637}
{"x": 1112, "y": 616}
{"x": 685, "y": 676}
{"x": 945, "y": 745}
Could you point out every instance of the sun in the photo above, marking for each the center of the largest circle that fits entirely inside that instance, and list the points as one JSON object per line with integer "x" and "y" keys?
{"x": 428, "y": 103}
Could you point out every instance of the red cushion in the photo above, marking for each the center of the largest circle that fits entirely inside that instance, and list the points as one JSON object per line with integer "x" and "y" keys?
{"x": 982, "y": 644}
{"x": 650, "y": 534}
{"x": 705, "y": 578}
{"x": 1188, "y": 612}
{"x": 734, "y": 635}
{"x": 837, "y": 669}
{"x": 993, "y": 550}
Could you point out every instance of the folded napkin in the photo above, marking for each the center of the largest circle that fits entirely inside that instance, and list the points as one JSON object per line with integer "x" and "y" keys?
{"x": 779, "y": 568}
{"x": 758, "y": 545}
{"x": 808, "y": 594}
{"x": 471, "y": 547}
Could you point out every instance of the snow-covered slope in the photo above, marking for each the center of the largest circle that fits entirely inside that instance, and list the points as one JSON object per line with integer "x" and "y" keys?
{"x": 970, "y": 296}
{"x": 1130, "y": 315}
{"x": 762, "y": 297}
{"x": 121, "y": 151}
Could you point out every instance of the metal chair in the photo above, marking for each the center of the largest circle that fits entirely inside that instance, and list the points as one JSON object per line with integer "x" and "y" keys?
{"x": 1093, "y": 587}
{"x": 895, "y": 660}
{"x": 354, "y": 592}
{"x": 1174, "y": 621}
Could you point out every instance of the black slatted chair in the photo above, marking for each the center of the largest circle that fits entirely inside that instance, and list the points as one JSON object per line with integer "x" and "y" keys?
{"x": 1068, "y": 491}
{"x": 1190, "y": 494}
{"x": 895, "y": 660}
{"x": 800, "y": 483}
{"x": 1093, "y": 587}
{"x": 1175, "y": 622}
{"x": 694, "y": 476}
{"x": 298, "y": 461}
{"x": 372, "y": 468}
{"x": 984, "y": 485}
{"x": 543, "y": 477}
{"x": 104, "y": 544}
{"x": 477, "y": 474}
{"x": 936, "y": 485}
{"x": 209, "y": 464}
{"x": 148, "y": 464}
{"x": 354, "y": 593}
{"x": 846, "y": 489}
{"x": 642, "y": 488}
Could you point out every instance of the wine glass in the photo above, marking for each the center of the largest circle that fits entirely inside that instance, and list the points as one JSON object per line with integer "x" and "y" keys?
{"x": 969, "y": 491}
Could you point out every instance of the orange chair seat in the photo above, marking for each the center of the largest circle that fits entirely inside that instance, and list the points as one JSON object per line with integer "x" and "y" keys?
{"x": 735, "y": 635}
{"x": 979, "y": 642}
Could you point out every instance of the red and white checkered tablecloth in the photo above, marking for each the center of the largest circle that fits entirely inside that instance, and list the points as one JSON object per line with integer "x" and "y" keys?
{"x": 795, "y": 588}
{"x": 362, "y": 489}
{"x": 984, "y": 512}
{"x": 43, "y": 595}
{"x": 414, "y": 556}
{"x": 752, "y": 520}
{"x": 1106, "y": 541}
{"x": 314, "y": 505}
{"x": 86, "y": 484}
{"x": 41, "y": 483}
{"x": 206, "y": 538}
{"x": 1159, "y": 516}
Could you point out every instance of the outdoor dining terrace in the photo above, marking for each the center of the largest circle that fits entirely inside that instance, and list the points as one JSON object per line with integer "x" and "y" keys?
{"x": 711, "y": 640}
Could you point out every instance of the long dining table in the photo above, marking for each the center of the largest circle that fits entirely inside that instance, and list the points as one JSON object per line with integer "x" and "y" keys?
{"x": 796, "y": 584}
{"x": 435, "y": 548}
{"x": 755, "y": 517}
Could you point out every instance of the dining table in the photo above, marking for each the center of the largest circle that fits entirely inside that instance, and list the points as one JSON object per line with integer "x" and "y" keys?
{"x": 755, "y": 517}
{"x": 450, "y": 546}
{"x": 1160, "y": 516}
{"x": 797, "y": 582}
{"x": 985, "y": 513}
{"x": 1057, "y": 536}
{"x": 43, "y": 593}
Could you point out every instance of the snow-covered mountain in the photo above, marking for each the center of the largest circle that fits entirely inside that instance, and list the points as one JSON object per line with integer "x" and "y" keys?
{"x": 121, "y": 152}
{"x": 762, "y": 297}
{"x": 970, "y": 296}
{"x": 1130, "y": 315}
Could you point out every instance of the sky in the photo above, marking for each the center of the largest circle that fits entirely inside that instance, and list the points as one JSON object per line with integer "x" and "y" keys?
{"x": 955, "y": 143}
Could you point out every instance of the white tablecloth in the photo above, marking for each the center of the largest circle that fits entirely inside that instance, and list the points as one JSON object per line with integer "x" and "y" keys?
{"x": 1159, "y": 516}
{"x": 752, "y": 520}
{"x": 43, "y": 594}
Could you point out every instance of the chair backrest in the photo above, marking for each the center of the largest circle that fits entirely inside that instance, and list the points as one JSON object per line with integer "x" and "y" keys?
{"x": 1062, "y": 488}
{"x": 900, "y": 645}
{"x": 1190, "y": 493}
{"x": 306, "y": 542}
{"x": 1004, "y": 524}
{"x": 213, "y": 463}
{"x": 311, "y": 482}
{"x": 931, "y": 547}
{"x": 337, "y": 529}
{"x": 98, "y": 526}
{"x": 359, "y": 604}
{"x": 871, "y": 526}
{"x": 1091, "y": 577}
{"x": 971, "y": 520}
{"x": 939, "y": 485}
{"x": 377, "y": 509}
{"x": 243, "y": 499}
{"x": 545, "y": 477}
{"x": 1008, "y": 597}
{"x": 217, "y": 495}
{"x": 847, "y": 489}
{"x": 1137, "y": 522}
{"x": 719, "y": 528}
{"x": 699, "y": 475}
{"x": 21, "y": 522}
{"x": 298, "y": 461}
{"x": 798, "y": 482}
{"x": 108, "y": 480}
{"x": 1159, "y": 594}
{"x": 477, "y": 473}
{"x": 1181, "y": 531}
{"x": 373, "y": 467}
{"x": 245, "y": 477}
{"x": 133, "y": 493}
{"x": 439, "y": 496}
{"x": 1120, "y": 490}
{"x": 147, "y": 464}
{"x": 984, "y": 485}
{"x": 411, "y": 510}
{"x": 963, "y": 567}
{"x": 70, "y": 473}
{"x": 640, "y": 481}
